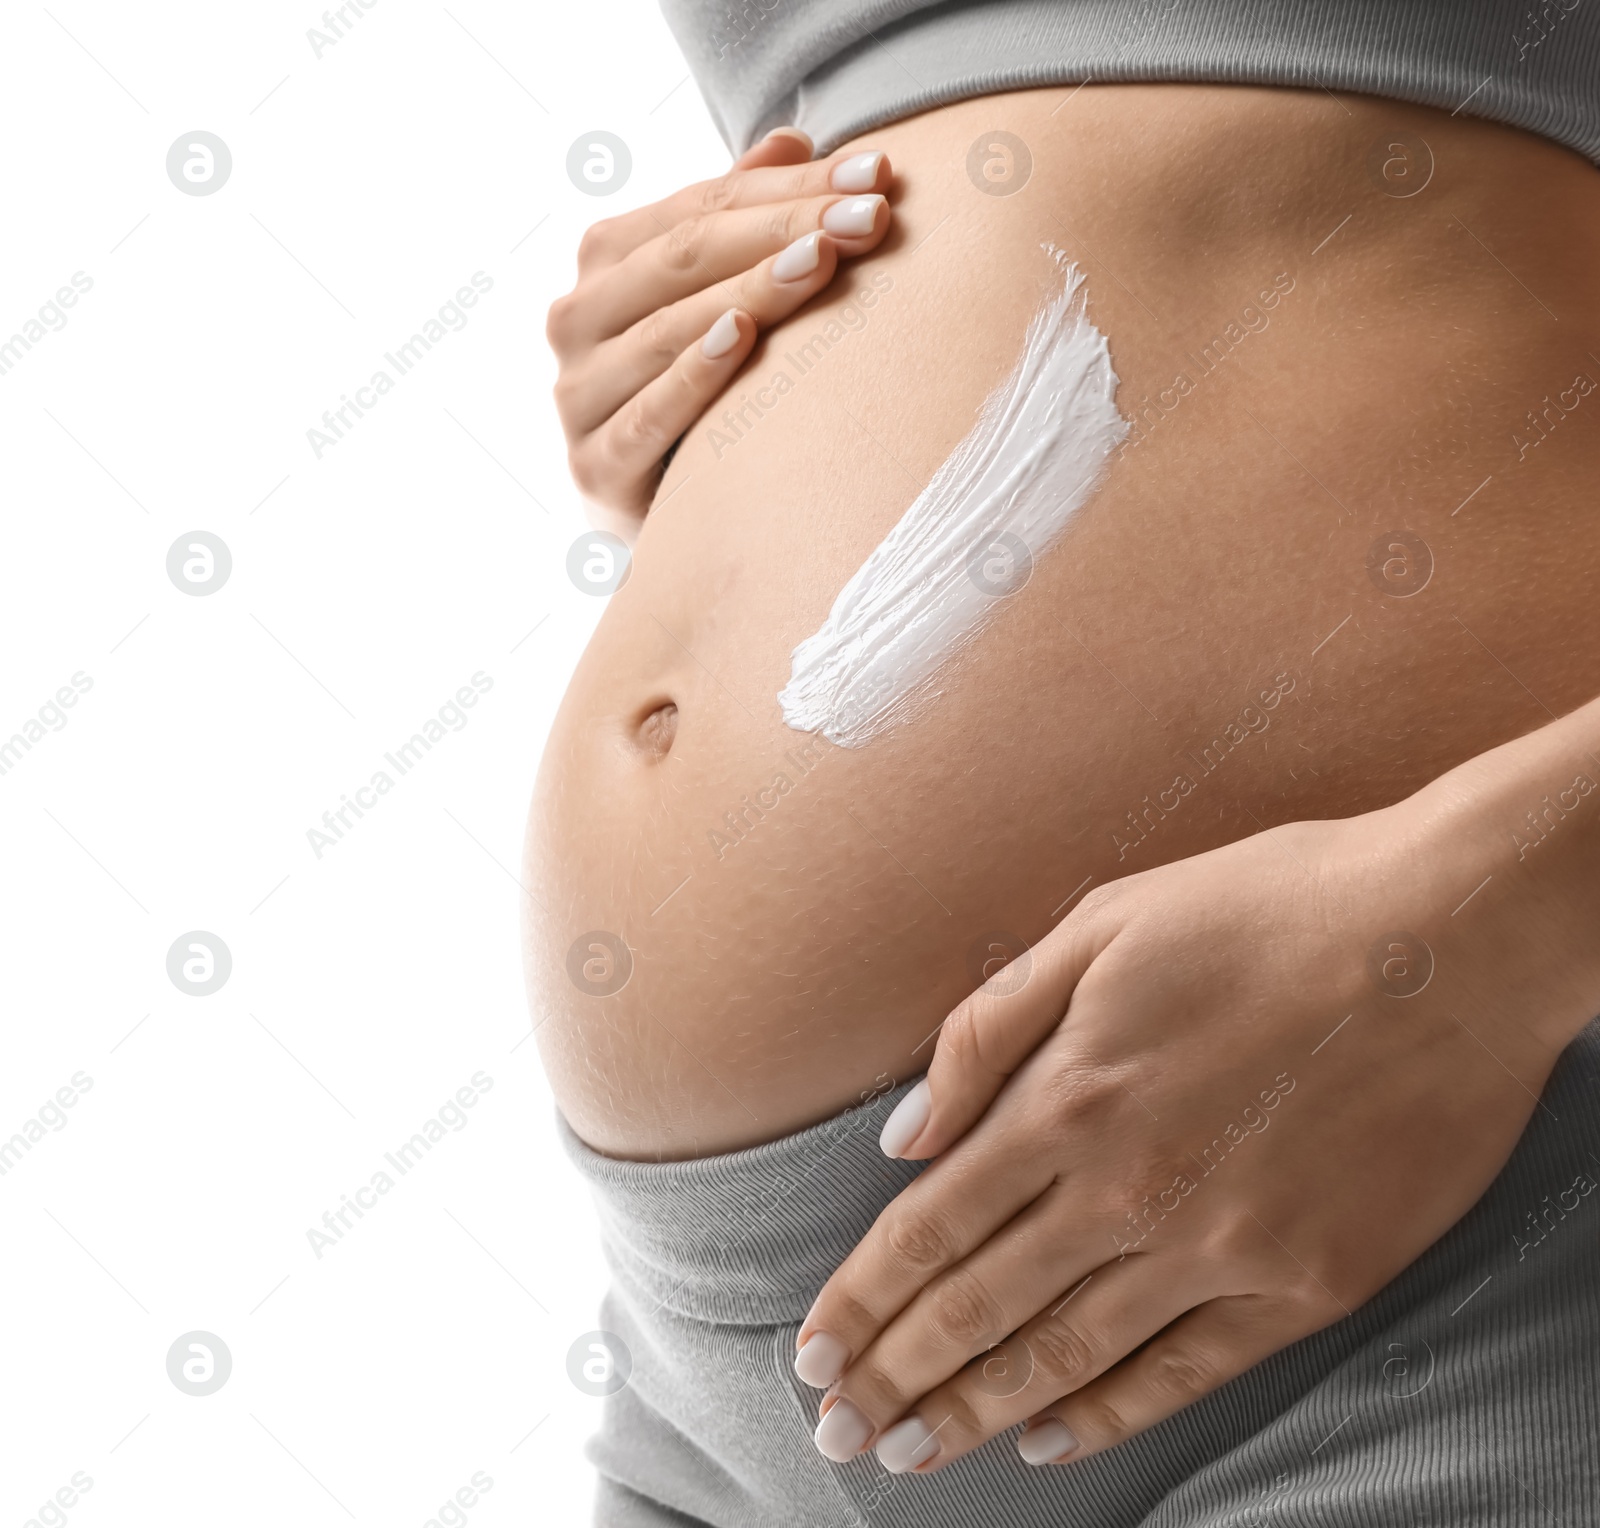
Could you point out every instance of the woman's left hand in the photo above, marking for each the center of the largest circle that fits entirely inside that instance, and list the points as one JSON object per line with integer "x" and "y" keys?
{"x": 1218, "y": 1107}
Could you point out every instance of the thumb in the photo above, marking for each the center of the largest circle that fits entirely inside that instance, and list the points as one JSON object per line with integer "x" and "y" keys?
{"x": 991, "y": 1033}
{"x": 783, "y": 145}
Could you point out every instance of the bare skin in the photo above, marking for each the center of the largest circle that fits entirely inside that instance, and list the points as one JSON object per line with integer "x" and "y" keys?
{"x": 1254, "y": 542}
{"x": 1220, "y": 1107}
{"x": 640, "y": 350}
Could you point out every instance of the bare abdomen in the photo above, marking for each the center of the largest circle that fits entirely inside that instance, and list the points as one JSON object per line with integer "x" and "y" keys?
{"x": 1351, "y": 541}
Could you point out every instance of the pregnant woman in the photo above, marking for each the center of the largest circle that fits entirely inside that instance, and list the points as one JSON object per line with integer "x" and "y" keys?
{"x": 1130, "y": 549}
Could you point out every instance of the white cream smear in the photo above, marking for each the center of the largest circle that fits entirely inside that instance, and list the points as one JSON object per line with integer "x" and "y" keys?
{"x": 1000, "y": 499}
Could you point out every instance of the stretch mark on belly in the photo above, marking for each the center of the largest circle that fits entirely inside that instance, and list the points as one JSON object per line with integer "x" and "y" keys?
{"x": 1033, "y": 458}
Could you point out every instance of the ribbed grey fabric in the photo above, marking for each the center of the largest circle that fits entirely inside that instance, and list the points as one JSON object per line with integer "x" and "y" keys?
{"x": 840, "y": 67}
{"x": 1463, "y": 1395}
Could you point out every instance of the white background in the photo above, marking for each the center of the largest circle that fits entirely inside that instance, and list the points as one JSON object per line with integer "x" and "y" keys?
{"x": 367, "y": 586}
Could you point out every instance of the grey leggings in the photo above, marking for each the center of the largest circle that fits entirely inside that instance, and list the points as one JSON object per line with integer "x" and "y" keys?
{"x": 1464, "y": 1393}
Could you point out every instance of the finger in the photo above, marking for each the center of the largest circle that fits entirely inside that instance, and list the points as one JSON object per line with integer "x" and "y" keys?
{"x": 934, "y": 1223}
{"x": 711, "y": 251}
{"x": 625, "y": 423}
{"x": 620, "y": 465}
{"x": 611, "y": 240}
{"x": 783, "y": 145}
{"x": 592, "y": 390}
{"x": 990, "y": 1034}
{"x": 1081, "y": 1336}
{"x": 966, "y": 1310}
{"x": 1196, "y": 1354}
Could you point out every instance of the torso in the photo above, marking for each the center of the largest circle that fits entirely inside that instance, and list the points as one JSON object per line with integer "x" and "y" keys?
{"x": 1379, "y": 387}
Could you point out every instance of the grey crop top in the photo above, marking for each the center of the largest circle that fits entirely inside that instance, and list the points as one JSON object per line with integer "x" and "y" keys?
{"x": 837, "y": 68}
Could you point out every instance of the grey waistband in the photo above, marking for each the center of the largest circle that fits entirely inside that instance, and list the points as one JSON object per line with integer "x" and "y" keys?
{"x": 750, "y": 1237}
{"x": 1464, "y": 1393}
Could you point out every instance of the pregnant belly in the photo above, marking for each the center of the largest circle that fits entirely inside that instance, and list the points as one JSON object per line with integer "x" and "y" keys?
{"x": 1348, "y": 540}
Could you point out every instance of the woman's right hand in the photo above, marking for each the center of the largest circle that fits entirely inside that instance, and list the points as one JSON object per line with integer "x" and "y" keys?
{"x": 670, "y": 299}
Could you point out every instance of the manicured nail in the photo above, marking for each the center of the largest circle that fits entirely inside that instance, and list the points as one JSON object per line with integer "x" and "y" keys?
{"x": 906, "y": 1445}
{"x": 722, "y": 336}
{"x": 843, "y": 1433}
{"x": 799, "y": 259}
{"x": 852, "y": 219}
{"x": 1046, "y": 1443}
{"x": 857, "y": 173}
{"x": 821, "y": 1360}
{"x": 905, "y": 1124}
{"x": 789, "y": 132}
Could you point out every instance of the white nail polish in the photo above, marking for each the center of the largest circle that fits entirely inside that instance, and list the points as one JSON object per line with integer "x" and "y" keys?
{"x": 843, "y": 1433}
{"x": 905, "y": 1124}
{"x": 1046, "y": 1443}
{"x": 906, "y": 1445}
{"x": 721, "y": 337}
{"x": 852, "y": 219}
{"x": 857, "y": 173}
{"x": 788, "y": 132}
{"x": 821, "y": 1361}
{"x": 799, "y": 259}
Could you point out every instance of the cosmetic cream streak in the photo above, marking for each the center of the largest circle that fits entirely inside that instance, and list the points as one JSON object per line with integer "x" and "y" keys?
{"x": 1035, "y": 455}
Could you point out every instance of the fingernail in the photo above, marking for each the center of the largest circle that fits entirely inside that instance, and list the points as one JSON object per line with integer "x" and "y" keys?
{"x": 1046, "y": 1443}
{"x": 843, "y": 1433}
{"x": 852, "y": 219}
{"x": 799, "y": 259}
{"x": 906, "y": 1123}
{"x": 857, "y": 173}
{"x": 821, "y": 1360}
{"x": 906, "y": 1445}
{"x": 722, "y": 336}
{"x": 789, "y": 132}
